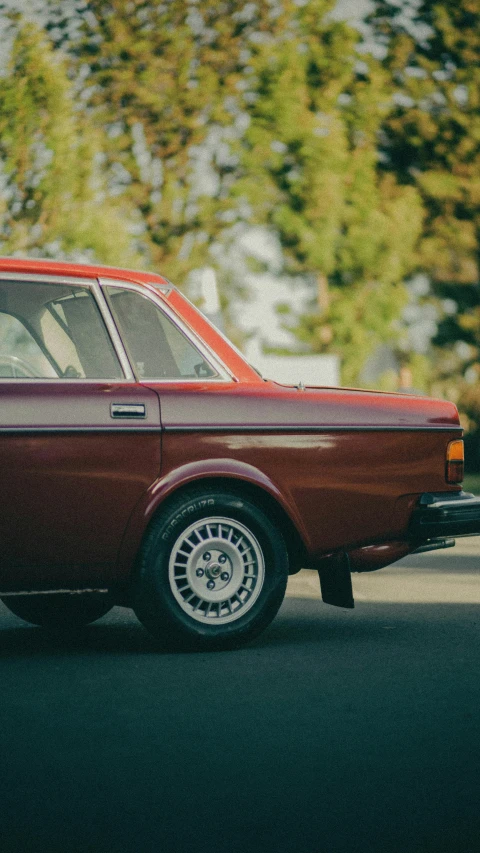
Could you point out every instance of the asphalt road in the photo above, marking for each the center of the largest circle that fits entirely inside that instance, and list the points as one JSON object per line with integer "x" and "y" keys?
{"x": 337, "y": 731}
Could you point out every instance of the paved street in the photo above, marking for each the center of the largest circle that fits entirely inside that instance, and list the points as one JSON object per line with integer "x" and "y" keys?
{"x": 337, "y": 731}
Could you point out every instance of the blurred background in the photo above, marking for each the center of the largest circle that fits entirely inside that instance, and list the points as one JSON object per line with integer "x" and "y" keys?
{"x": 307, "y": 171}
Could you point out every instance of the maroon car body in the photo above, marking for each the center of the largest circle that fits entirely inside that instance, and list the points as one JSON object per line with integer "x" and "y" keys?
{"x": 107, "y": 444}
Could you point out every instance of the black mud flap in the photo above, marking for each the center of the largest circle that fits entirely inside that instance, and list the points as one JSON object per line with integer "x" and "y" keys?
{"x": 336, "y": 581}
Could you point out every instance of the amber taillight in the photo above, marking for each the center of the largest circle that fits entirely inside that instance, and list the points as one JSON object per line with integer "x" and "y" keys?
{"x": 454, "y": 463}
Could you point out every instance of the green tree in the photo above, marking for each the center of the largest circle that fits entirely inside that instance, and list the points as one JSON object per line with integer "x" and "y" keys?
{"x": 169, "y": 82}
{"x": 53, "y": 200}
{"x": 312, "y": 147}
{"x": 228, "y": 114}
{"x": 431, "y": 141}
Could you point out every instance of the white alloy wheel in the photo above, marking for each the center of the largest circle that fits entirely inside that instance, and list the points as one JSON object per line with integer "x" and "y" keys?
{"x": 212, "y": 571}
{"x": 216, "y": 570}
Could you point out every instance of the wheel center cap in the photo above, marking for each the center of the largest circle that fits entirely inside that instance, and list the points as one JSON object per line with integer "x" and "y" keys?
{"x": 213, "y": 569}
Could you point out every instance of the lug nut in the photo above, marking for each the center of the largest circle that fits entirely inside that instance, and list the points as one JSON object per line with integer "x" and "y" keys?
{"x": 207, "y": 555}
{"x": 200, "y": 573}
{"x": 224, "y": 576}
{"x": 222, "y": 558}
{"x": 211, "y": 585}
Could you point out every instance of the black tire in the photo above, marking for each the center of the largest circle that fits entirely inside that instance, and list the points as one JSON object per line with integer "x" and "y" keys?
{"x": 210, "y": 536}
{"x": 59, "y": 612}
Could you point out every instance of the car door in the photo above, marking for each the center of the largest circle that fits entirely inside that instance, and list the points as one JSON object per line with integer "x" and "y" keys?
{"x": 170, "y": 359}
{"x": 79, "y": 436}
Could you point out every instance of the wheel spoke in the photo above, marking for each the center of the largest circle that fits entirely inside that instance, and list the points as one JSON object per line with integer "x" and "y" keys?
{"x": 211, "y": 556}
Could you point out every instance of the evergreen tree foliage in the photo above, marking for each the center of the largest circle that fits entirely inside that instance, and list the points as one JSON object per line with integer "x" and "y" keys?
{"x": 431, "y": 141}
{"x": 312, "y": 147}
{"x": 169, "y": 83}
{"x": 52, "y": 198}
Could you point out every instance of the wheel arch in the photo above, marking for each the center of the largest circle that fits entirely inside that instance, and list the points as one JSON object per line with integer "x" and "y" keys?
{"x": 250, "y": 484}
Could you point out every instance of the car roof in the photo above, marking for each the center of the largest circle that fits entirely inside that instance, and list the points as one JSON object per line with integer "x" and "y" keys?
{"x": 45, "y": 266}
{"x": 164, "y": 288}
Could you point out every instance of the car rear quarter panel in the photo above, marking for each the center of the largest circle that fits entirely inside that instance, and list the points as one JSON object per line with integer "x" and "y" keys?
{"x": 341, "y": 488}
{"x": 346, "y": 467}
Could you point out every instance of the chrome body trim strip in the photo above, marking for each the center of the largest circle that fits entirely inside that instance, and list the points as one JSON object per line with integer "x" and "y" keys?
{"x": 123, "y": 381}
{"x": 53, "y": 592}
{"x": 51, "y": 380}
{"x": 47, "y": 279}
{"x": 113, "y": 331}
{"x": 42, "y": 430}
{"x": 304, "y": 428}
{"x": 231, "y": 429}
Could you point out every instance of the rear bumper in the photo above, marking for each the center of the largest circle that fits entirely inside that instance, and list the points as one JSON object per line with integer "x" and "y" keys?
{"x": 444, "y": 514}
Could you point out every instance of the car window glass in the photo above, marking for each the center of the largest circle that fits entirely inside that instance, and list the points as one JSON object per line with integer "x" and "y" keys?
{"x": 60, "y": 344}
{"x": 158, "y": 348}
{"x": 77, "y": 337}
{"x": 20, "y": 355}
{"x": 59, "y": 333}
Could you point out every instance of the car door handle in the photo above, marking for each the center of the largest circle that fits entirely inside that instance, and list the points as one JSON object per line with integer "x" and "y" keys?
{"x": 128, "y": 410}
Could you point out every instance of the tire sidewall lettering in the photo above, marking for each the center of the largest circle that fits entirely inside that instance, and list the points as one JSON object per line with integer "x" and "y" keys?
{"x": 154, "y": 602}
{"x": 186, "y": 512}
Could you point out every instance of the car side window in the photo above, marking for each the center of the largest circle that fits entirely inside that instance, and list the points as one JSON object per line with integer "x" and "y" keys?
{"x": 50, "y": 331}
{"x": 20, "y": 355}
{"x": 157, "y": 347}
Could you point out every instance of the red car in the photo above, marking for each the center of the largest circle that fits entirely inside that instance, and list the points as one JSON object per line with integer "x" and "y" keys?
{"x": 145, "y": 463}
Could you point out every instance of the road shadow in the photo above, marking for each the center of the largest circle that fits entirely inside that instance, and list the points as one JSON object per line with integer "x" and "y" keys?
{"x": 117, "y": 634}
{"x": 301, "y": 621}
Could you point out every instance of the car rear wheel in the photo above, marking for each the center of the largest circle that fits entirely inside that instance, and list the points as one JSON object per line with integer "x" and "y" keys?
{"x": 212, "y": 572}
{"x": 62, "y": 611}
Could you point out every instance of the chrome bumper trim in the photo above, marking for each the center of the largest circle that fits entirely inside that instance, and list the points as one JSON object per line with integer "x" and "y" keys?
{"x": 445, "y": 514}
